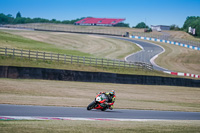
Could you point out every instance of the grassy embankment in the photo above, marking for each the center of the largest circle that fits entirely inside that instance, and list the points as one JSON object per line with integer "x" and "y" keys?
{"x": 179, "y": 59}
{"x": 109, "y": 30}
{"x": 86, "y": 45}
{"x": 175, "y": 58}
{"x": 99, "y": 126}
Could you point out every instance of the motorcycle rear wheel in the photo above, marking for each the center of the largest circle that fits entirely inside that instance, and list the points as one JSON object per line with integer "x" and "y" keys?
{"x": 91, "y": 105}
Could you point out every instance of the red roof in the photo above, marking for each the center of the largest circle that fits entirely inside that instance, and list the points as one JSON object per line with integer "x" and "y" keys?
{"x": 108, "y": 21}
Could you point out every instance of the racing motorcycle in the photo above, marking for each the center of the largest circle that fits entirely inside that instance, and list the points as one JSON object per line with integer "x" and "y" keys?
{"x": 100, "y": 99}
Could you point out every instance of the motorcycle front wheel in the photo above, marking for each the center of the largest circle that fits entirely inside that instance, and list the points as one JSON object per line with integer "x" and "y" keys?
{"x": 91, "y": 105}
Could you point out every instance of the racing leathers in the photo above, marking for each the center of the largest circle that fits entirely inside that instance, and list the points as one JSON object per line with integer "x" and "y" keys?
{"x": 111, "y": 100}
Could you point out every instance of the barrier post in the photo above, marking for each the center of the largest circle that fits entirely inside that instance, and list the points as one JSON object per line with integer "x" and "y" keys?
{"x": 13, "y": 53}
{"x": 29, "y": 54}
{"x": 102, "y": 62}
{"x": 65, "y": 58}
{"x": 21, "y": 54}
{"x": 37, "y": 55}
{"x": 6, "y": 51}
{"x": 44, "y": 56}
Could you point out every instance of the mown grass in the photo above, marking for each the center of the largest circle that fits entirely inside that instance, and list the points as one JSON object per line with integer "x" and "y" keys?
{"x": 99, "y": 126}
{"x": 70, "y": 93}
{"x": 16, "y": 41}
{"x": 97, "y": 46}
{"x": 178, "y": 59}
{"x": 25, "y": 62}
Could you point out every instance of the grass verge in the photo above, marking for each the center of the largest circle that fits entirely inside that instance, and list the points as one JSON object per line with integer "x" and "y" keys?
{"x": 25, "y": 62}
{"x": 69, "y": 94}
{"x": 99, "y": 126}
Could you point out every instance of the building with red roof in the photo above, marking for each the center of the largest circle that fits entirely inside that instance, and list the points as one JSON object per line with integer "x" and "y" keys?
{"x": 99, "y": 21}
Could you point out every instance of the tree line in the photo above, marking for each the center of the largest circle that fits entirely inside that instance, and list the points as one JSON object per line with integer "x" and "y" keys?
{"x": 9, "y": 19}
{"x": 191, "y": 21}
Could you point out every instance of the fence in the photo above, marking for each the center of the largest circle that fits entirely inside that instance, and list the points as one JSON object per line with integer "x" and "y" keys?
{"x": 63, "y": 58}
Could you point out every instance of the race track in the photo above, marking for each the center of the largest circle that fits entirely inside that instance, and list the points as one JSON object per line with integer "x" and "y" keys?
{"x": 148, "y": 53}
{"x": 75, "y": 112}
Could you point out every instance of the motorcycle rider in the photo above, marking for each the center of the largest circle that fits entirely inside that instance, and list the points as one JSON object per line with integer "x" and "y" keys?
{"x": 111, "y": 99}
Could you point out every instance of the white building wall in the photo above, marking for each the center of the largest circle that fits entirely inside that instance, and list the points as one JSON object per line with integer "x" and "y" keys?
{"x": 160, "y": 27}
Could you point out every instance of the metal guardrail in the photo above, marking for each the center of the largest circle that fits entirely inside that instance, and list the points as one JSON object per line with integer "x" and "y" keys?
{"x": 70, "y": 59}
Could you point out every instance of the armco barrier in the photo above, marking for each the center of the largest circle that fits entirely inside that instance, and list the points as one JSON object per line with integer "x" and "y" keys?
{"x": 69, "y": 75}
{"x": 166, "y": 41}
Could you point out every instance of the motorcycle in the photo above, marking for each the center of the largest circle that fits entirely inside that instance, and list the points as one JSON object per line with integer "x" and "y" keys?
{"x": 100, "y": 99}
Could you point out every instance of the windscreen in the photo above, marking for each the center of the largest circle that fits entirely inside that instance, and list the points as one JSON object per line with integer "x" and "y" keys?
{"x": 104, "y": 96}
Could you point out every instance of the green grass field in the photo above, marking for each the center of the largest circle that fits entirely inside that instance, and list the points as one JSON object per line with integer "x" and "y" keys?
{"x": 74, "y": 44}
{"x": 25, "y": 62}
{"x": 16, "y": 41}
{"x": 99, "y": 126}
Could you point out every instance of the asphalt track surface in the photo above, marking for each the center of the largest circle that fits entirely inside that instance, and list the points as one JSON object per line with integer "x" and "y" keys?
{"x": 148, "y": 53}
{"x": 51, "y": 111}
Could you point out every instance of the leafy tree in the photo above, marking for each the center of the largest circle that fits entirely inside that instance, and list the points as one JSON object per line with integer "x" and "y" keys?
{"x": 18, "y": 15}
{"x": 141, "y": 25}
{"x": 122, "y": 25}
{"x": 66, "y": 22}
{"x": 72, "y": 21}
{"x": 6, "y": 19}
{"x": 29, "y": 20}
{"x": 174, "y": 27}
{"x": 193, "y": 22}
{"x": 19, "y": 21}
{"x": 40, "y": 20}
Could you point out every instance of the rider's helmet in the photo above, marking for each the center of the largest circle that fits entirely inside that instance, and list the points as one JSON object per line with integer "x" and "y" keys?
{"x": 113, "y": 91}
